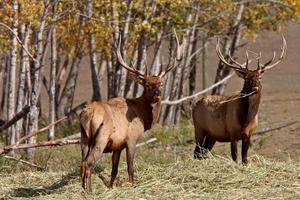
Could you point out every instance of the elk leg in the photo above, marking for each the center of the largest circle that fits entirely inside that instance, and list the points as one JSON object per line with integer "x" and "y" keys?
{"x": 86, "y": 177}
{"x": 94, "y": 155}
{"x": 84, "y": 152}
{"x": 199, "y": 137}
{"x": 234, "y": 150}
{"x": 130, "y": 151}
{"x": 115, "y": 165}
{"x": 209, "y": 142}
{"x": 245, "y": 147}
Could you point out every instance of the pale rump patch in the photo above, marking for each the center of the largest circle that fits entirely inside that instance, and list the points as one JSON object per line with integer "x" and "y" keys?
{"x": 86, "y": 116}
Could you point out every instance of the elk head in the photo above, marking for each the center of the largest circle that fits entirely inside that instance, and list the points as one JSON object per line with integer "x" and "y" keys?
{"x": 252, "y": 77}
{"x": 152, "y": 83}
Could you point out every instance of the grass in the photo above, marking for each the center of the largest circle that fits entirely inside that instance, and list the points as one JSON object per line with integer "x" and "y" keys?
{"x": 163, "y": 171}
{"x": 180, "y": 178}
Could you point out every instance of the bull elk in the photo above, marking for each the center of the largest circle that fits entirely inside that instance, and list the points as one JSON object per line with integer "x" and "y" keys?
{"x": 119, "y": 123}
{"x": 230, "y": 119}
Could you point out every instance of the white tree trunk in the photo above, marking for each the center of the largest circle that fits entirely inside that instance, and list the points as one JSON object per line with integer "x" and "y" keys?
{"x": 22, "y": 77}
{"x": 52, "y": 87}
{"x": 34, "y": 96}
{"x": 12, "y": 75}
{"x": 123, "y": 77}
{"x": 93, "y": 57}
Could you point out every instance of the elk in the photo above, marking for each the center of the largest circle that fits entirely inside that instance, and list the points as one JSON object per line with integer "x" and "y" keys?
{"x": 230, "y": 119}
{"x": 119, "y": 123}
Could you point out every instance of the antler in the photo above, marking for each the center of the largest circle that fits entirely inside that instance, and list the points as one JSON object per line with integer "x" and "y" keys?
{"x": 179, "y": 53}
{"x": 268, "y": 65}
{"x": 123, "y": 63}
{"x": 235, "y": 65}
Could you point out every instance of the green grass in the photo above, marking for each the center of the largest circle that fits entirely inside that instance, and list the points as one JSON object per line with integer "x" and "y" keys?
{"x": 164, "y": 170}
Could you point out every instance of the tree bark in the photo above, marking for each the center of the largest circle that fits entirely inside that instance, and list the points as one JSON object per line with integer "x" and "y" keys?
{"x": 22, "y": 77}
{"x": 12, "y": 75}
{"x": 123, "y": 76}
{"x": 66, "y": 100}
{"x": 170, "y": 110}
{"x": 34, "y": 96}
{"x": 204, "y": 61}
{"x": 4, "y": 86}
{"x": 52, "y": 85}
{"x": 93, "y": 57}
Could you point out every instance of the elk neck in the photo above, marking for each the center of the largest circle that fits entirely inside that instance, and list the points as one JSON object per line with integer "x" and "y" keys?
{"x": 148, "y": 111}
{"x": 250, "y": 105}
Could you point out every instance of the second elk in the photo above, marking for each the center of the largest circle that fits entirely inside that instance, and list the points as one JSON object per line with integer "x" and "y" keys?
{"x": 230, "y": 119}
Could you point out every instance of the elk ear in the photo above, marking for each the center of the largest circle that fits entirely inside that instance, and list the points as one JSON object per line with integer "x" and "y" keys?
{"x": 240, "y": 74}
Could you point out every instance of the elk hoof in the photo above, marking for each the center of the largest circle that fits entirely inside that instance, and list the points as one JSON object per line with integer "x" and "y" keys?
{"x": 245, "y": 162}
{"x": 199, "y": 156}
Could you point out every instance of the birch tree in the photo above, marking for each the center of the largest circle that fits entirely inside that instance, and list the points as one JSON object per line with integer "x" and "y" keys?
{"x": 33, "y": 115}
{"x": 52, "y": 86}
{"x": 11, "y": 101}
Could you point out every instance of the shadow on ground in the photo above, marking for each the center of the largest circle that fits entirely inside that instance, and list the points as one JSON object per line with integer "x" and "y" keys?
{"x": 46, "y": 190}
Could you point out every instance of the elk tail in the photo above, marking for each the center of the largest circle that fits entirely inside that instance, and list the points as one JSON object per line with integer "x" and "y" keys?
{"x": 85, "y": 119}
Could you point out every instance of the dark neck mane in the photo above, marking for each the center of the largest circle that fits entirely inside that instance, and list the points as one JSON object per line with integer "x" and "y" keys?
{"x": 148, "y": 112}
{"x": 250, "y": 105}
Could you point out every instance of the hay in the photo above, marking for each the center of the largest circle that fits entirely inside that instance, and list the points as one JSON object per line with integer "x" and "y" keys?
{"x": 167, "y": 175}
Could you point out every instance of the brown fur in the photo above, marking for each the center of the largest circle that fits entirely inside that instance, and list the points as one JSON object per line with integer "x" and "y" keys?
{"x": 117, "y": 124}
{"x": 219, "y": 118}
{"x": 233, "y": 120}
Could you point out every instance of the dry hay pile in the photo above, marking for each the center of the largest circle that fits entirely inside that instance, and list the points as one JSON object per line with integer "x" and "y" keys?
{"x": 180, "y": 178}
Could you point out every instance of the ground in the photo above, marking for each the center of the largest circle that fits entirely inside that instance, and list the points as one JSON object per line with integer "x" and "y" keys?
{"x": 163, "y": 172}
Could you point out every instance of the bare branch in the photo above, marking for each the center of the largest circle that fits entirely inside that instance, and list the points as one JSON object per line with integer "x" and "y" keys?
{"x": 265, "y": 1}
{"x": 59, "y": 142}
{"x": 178, "y": 101}
{"x": 39, "y": 131}
{"x": 23, "y": 161}
{"x": 19, "y": 40}
{"x": 73, "y": 139}
{"x": 275, "y": 128}
{"x": 18, "y": 116}
{"x": 151, "y": 140}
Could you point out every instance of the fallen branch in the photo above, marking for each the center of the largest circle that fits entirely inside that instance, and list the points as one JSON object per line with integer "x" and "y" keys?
{"x": 39, "y": 131}
{"x": 178, "y": 101}
{"x": 276, "y": 128}
{"x": 151, "y": 140}
{"x": 59, "y": 142}
{"x": 23, "y": 161}
{"x": 69, "y": 114}
{"x": 18, "y": 116}
{"x": 73, "y": 139}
